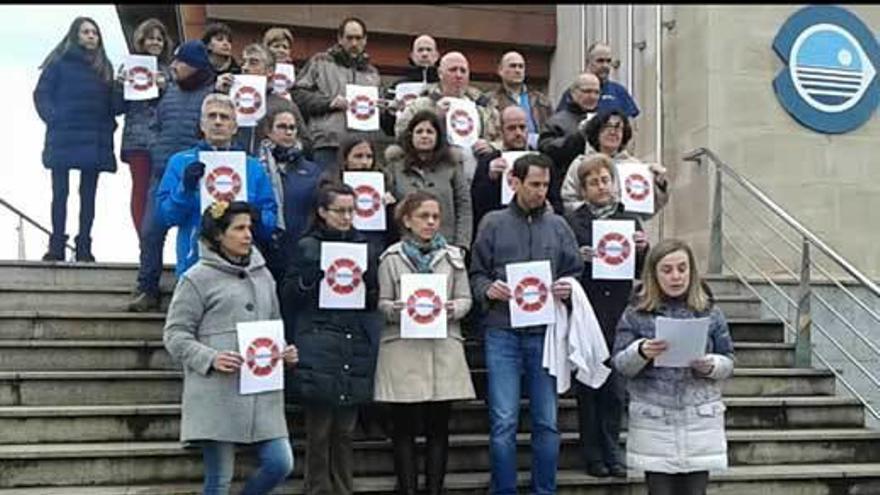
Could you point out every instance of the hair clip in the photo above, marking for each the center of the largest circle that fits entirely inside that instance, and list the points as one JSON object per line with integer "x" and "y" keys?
{"x": 218, "y": 208}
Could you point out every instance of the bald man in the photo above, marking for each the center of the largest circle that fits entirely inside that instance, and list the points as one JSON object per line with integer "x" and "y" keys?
{"x": 513, "y": 91}
{"x": 454, "y": 75}
{"x": 611, "y": 94}
{"x": 422, "y": 67}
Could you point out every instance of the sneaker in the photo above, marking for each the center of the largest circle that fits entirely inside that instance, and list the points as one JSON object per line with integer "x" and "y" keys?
{"x": 144, "y": 303}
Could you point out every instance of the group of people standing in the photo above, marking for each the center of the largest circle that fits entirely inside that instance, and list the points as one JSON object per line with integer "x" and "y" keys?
{"x": 260, "y": 259}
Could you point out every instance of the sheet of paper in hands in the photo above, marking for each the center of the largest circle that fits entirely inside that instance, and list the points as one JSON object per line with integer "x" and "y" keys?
{"x": 225, "y": 177}
{"x": 344, "y": 264}
{"x": 141, "y": 81}
{"x": 405, "y": 93}
{"x": 531, "y": 301}
{"x": 424, "y": 312}
{"x": 636, "y": 186}
{"x": 283, "y": 78}
{"x": 261, "y": 344}
{"x": 249, "y": 95}
{"x": 615, "y": 250}
{"x": 685, "y": 340}
{"x": 363, "y": 114}
{"x": 462, "y": 122}
{"x": 369, "y": 188}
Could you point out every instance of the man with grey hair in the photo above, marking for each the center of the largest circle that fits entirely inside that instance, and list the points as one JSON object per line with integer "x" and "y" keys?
{"x": 611, "y": 94}
{"x": 178, "y": 198}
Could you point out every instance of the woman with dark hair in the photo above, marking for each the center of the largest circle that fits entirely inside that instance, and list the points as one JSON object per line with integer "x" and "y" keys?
{"x": 419, "y": 378}
{"x": 424, "y": 161}
{"x": 294, "y": 181}
{"x": 676, "y": 415}
{"x": 337, "y": 347}
{"x": 77, "y": 99}
{"x": 229, "y": 284}
{"x": 149, "y": 38}
{"x": 217, "y": 37}
{"x": 609, "y": 132}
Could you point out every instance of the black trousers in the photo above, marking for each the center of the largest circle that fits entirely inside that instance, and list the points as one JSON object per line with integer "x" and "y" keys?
{"x": 406, "y": 421}
{"x": 677, "y": 484}
{"x": 599, "y": 416}
{"x": 88, "y": 185}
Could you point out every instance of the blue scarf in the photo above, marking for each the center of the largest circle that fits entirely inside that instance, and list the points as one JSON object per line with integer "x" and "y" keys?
{"x": 421, "y": 253}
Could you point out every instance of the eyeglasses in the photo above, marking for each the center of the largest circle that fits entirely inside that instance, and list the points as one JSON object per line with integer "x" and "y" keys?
{"x": 342, "y": 211}
{"x": 286, "y": 127}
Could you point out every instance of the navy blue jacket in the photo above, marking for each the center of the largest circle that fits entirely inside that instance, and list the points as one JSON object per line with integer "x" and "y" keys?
{"x": 176, "y": 123}
{"x": 79, "y": 109}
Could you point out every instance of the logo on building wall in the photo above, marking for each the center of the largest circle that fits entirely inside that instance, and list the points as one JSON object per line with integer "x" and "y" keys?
{"x": 829, "y": 83}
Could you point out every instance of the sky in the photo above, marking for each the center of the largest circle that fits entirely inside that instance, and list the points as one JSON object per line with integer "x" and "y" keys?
{"x": 28, "y": 33}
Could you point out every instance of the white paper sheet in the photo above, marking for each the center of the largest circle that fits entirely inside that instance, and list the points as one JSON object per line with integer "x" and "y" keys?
{"x": 462, "y": 122}
{"x": 424, "y": 316}
{"x": 261, "y": 344}
{"x": 141, "y": 81}
{"x": 405, "y": 93}
{"x": 532, "y": 300}
{"x": 344, "y": 264}
{"x": 249, "y": 95}
{"x": 283, "y": 78}
{"x": 636, "y": 186}
{"x": 510, "y": 157}
{"x": 615, "y": 250}
{"x": 369, "y": 188}
{"x": 363, "y": 114}
{"x": 225, "y": 177}
{"x": 685, "y": 340}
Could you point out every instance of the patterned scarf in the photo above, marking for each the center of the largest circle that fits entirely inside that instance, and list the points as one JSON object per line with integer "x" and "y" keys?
{"x": 421, "y": 253}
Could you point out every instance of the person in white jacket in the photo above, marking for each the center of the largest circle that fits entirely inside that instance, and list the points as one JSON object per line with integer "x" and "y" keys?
{"x": 676, "y": 416}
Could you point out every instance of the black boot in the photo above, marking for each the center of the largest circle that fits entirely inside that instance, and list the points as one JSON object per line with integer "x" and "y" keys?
{"x": 436, "y": 452}
{"x": 57, "y": 245}
{"x": 405, "y": 464}
{"x": 84, "y": 249}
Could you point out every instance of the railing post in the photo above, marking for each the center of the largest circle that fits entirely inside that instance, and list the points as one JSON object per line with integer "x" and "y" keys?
{"x": 20, "y": 229}
{"x": 716, "y": 259}
{"x": 803, "y": 346}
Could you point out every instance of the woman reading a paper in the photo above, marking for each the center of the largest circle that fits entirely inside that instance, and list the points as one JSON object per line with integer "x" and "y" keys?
{"x": 676, "y": 416}
{"x": 329, "y": 296}
{"x": 229, "y": 285}
{"x": 422, "y": 367}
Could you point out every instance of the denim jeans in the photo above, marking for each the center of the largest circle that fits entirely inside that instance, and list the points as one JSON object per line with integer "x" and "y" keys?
{"x": 88, "y": 186}
{"x": 511, "y": 354}
{"x": 276, "y": 463}
{"x": 152, "y": 242}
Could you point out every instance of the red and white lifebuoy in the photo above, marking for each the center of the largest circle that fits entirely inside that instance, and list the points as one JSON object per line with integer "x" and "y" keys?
{"x": 637, "y": 186}
{"x": 280, "y": 82}
{"x": 614, "y": 248}
{"x": 141, "y": 78}
{"x": 223, "y": 183}
{"x": 367, "y": 201}
{"x": 248, "y": 100}
{"x": 531, "y": 294}
{"x": 362, "y": 107}
{"x": 424, "y": 306}
{"x": 262, "y": 356}
{"x": 344, "y": 276}
{"x": 461, "y": 122}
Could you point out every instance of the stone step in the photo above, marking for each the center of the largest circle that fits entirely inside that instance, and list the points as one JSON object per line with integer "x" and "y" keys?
{"x": 725, "y": 285}
{"x": 151, "y": 462}
{"x": 739, "y": 306}
{"x": 77, "y": 275}
{"x": 59, "y": 424}
{"x": 61, "y": 298}
{"x": 805, "y": 479}
{"x": 49, "y": 355}
{"x": 79, "y": 325}
{"x": 35, "y": 388}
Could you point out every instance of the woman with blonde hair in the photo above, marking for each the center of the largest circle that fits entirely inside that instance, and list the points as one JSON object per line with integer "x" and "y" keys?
{"x": 676, "y": 415}
{"x": 279, "y": 41}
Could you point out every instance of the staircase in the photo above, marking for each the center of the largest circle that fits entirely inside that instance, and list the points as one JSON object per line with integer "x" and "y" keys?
{"x": 89, "y": 404}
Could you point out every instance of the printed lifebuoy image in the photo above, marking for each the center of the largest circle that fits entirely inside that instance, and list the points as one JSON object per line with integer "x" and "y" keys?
{"x": 280, "y": 82}
{"x": 141, "y": 78}
{"x": 367, "y": 201}
{"x": 262, "y": 356}
{"x": 344, "y": 276}
{"x": 531, "y": 294}
{"x": 462, "y": 123}
{"x": 424, "y": 306}
{"x": 362, "y": 106}
{"x": 247, "y": 100}
{"x": 223, "y": 183}
{"x": 637, "y": 186}
{"x": 614, "y": 248}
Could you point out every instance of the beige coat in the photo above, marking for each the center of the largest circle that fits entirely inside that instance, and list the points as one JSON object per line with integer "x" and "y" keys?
{"x": 410, "y": 370}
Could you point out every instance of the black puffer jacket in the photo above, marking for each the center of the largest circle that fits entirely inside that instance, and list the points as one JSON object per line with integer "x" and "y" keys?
{"x": 337, "y": 347}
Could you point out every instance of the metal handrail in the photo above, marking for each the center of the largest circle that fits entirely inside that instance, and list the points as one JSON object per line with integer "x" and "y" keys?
{"x": 24, "y": 216}
{"x": 696, "y": 156}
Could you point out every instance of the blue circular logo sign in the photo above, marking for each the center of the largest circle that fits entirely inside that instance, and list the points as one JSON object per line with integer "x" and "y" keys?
{"x": 830, "y": 82}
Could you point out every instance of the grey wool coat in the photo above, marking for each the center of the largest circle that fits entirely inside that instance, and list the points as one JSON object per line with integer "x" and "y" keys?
{"x": 210, "y": 298}
{"x": 418, "y": 370}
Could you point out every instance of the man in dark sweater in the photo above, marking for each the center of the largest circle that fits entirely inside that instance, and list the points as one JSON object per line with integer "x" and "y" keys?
{"x": 422, "y": 68}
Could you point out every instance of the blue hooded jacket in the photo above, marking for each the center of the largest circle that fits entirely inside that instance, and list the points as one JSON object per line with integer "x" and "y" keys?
{"x": 177, "y": 207}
